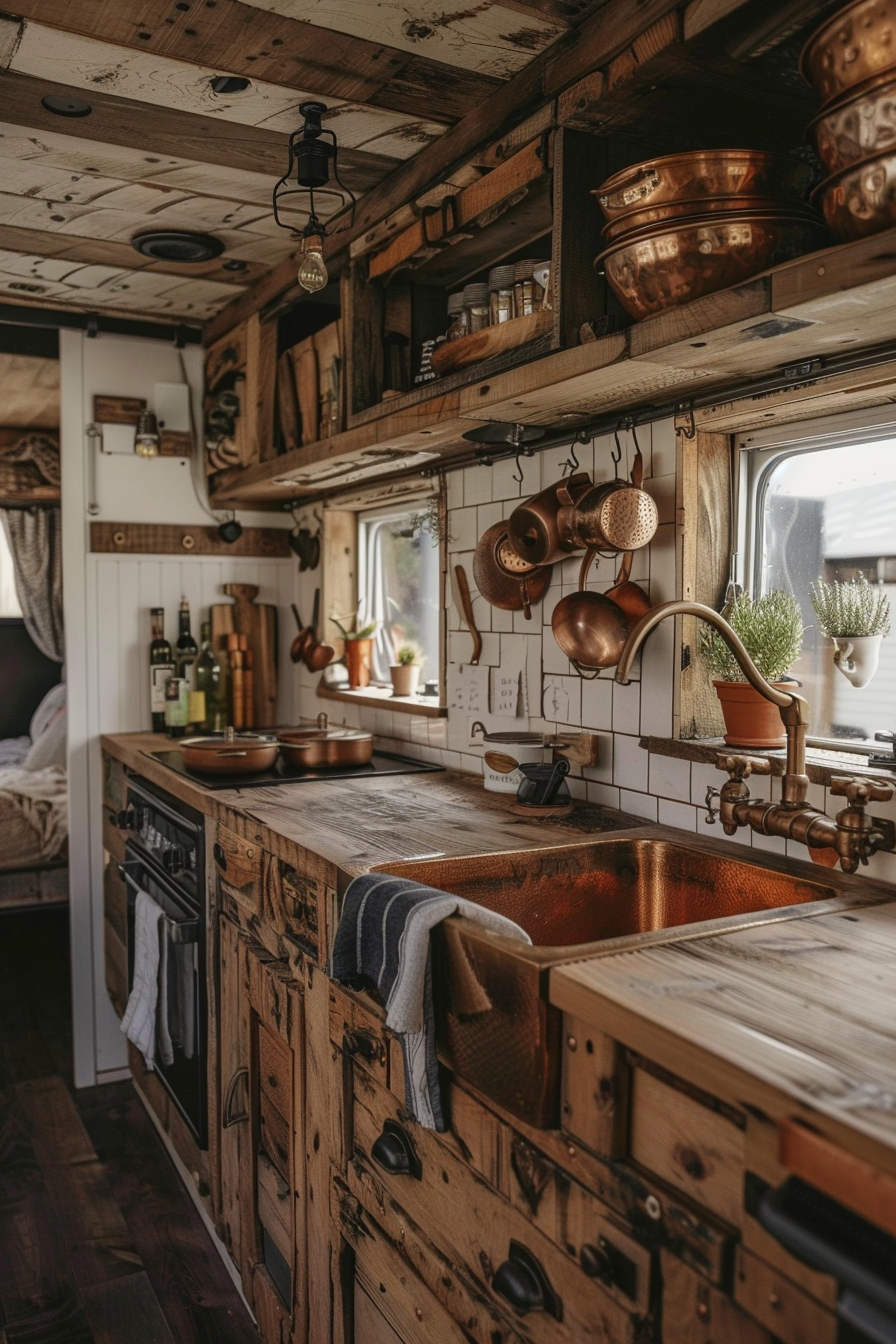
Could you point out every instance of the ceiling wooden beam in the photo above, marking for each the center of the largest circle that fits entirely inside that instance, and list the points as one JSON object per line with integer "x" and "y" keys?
{"x": 101, "y": 252}
{"x": 240, "y": 39}
{"x": 157, "y": 129}
{"x": 594, "y": 43}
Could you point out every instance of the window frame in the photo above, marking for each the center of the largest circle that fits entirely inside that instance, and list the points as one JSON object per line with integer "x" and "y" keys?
{"x": 369, "y": 523}
{"x": 756, "y": 455}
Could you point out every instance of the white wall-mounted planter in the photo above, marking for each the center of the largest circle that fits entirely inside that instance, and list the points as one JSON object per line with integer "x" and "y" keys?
{"x": 857, "y": 657}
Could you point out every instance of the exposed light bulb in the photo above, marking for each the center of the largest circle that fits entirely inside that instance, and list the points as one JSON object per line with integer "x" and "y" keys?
{"x": 313, "y": 273}
{"x": 146, "y": 435}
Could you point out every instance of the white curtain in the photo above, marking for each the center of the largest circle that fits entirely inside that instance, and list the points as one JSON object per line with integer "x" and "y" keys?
{"x": 35, "y": 541}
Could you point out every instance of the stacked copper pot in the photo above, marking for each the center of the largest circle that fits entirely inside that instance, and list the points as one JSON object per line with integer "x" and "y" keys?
{"x": 688, "y": 224}
{"x": 851, "y": 61}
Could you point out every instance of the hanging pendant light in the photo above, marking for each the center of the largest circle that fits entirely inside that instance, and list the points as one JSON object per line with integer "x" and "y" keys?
{"x": 312, "y": 153}
{"x": 146, "y": 435}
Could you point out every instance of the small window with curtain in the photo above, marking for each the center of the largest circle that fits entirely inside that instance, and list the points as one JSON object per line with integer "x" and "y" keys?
{"x": 9, "y": 602}
{"x": 398, "y": 580}
{"x": 817, "y": 501}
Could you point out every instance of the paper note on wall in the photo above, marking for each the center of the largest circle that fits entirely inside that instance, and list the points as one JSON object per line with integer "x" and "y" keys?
{"x": 555, "y": 701}
{"x": 505, "y": 697}
{"x": 468, "y": 688}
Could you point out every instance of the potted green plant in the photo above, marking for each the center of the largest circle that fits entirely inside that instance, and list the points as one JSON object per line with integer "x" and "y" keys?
{"x": 771, "y": 630}
{"x": 358, "y": 637}
{"x": 855, "y": 615}
{"x": 405, "y": 671}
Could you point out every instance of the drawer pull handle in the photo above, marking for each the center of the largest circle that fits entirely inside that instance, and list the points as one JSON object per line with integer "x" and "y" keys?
{"x": 229, "y": 1117}
{"x": 606, "y": 1263}
{"x": 220, "y": 857}
{"x": 524, "y": 1284}
{"x": 364, "y": 1043}
{"x": 394, "y": 1152}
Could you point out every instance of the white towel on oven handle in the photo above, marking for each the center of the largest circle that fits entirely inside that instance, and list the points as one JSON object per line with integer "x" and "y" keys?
{"x": 141, "y": 1014}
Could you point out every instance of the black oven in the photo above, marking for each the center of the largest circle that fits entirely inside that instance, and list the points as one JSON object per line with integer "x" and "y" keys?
{"x": 164, "y": 857}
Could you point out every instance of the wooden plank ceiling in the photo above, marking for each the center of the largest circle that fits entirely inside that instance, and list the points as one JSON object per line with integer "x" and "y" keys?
{"x": 160, "y": 149}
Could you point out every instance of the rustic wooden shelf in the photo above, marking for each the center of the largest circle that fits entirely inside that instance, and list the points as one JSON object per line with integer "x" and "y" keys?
{"x": 373, "y": 697}
{"x": 828, "y": 303}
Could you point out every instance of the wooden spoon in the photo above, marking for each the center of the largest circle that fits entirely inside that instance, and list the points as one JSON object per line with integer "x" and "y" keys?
{"x": 501, "y": 762}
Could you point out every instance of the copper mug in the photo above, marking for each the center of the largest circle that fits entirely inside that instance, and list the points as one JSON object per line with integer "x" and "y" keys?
{"x": 534, "y": 529}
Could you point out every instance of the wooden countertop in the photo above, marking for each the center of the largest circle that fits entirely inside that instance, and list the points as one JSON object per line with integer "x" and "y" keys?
{"x": 795, "y": 1017}
{"x": 358, "y": 823}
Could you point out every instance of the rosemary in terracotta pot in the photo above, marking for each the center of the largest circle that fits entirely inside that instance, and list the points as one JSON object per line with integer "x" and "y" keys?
{"x": 771, "y": 629}
{"x": 405, "y": 671}
{"x": 855, "y": 616}
{"x": 358, "y": 639}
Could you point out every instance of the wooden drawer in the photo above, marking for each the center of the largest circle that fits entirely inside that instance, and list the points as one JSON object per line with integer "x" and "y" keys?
{"x": 275, "y": 1207}
{"x": 784, "y": 1309}
{"x": 594, "y": 1095}
{"x": 476, "y": 1227}
{"x": 276, "y": 1137}
{"x": 696, "y": 1149}
{"x": 275, "y": 1072}
{"x": 694, "y": 1312}
{"x": 356, "y": 1029}
{"x": 238, "y": 864}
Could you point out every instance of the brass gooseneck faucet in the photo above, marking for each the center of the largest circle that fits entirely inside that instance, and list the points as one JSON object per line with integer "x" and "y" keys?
{"x": 853, "y": 835}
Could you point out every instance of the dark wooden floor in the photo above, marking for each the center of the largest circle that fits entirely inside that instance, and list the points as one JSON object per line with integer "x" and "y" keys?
{"x": 99, "y": 1242}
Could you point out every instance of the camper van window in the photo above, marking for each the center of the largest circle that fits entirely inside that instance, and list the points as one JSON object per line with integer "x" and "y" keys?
{"x": 818, "y": 501}
{"x": 399, "y": 567}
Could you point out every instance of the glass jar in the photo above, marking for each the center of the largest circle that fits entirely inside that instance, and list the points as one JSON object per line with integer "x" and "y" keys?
{"x": 458, "y": 321}
{"x": 476, "y": 304}
{"x": 500, "y": 294}
{"x": 527, "y": 294}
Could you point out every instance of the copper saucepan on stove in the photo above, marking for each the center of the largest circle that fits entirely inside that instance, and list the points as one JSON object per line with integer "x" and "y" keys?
{"x": 322, "y": 747}
{"x": 228, "y": 755}
{"x": 503, "y": 577}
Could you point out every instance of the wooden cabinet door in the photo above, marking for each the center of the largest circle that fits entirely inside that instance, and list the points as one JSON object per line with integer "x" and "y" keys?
{"x": 231, "y": 1114}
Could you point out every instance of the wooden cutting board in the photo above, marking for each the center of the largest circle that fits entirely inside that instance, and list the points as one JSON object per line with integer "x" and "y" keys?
{"x": 258, "y": 622}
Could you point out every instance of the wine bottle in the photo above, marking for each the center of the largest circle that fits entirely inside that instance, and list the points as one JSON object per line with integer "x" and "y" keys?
{"x": 208, "y": 682}
{"x": 161, "y": 667}
{"x": 187, "y": 649}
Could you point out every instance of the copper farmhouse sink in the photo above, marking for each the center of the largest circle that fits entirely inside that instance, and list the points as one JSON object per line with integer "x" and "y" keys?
{"x": 497, "y": 1029}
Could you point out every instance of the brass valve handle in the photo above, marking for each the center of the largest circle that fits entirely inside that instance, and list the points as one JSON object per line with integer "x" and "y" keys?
{"x": 860, "y": 792}
{"x": 741, "y": 767}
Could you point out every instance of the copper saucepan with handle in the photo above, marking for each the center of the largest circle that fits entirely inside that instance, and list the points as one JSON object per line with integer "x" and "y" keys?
{"x": 228, "y": 755}
{"x": 322, "y": 747}
{"x": 534, "y": 527}
{"x": 628, "y": 596}
{"x": 589, "y": 627}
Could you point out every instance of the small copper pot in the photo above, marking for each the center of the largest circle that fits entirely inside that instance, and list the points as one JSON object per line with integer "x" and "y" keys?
{"x": 589, "y": 628}
{"x": 861, "y": 199}
{"x": 858, "y": 125}
{"x": 534, "y": 526}
{"x": 322, "y": 747}
{"x": 705, "y": 174}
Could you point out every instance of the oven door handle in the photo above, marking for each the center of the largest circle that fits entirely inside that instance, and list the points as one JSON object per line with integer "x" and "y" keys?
{"x": 179, "y": 930}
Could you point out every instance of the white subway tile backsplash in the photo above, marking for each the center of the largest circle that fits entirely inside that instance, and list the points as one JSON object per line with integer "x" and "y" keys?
{"x": 627, "y": 708}
{"x": 670, "y": 778}
{"x": 630, "y": 763}
{"x": 487, "y": 515}
{"x": 640, "y": 804}
{"x": 502, "y": 620}
{"x": 680, "y": 815}
{"x": 478, "y": 485}
{"x": 662, "y": 566}
{"x": 664, "y": 448}
{"x": 597, "y": 703}
{"x": 662, "y": 490}
{"x": 657, "y": 681}
{"x": 604, "y": 795}
{"x": 465, "y": 529}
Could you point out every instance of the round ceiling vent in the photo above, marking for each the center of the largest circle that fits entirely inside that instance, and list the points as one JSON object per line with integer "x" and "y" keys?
{"x": 177, "y": 245}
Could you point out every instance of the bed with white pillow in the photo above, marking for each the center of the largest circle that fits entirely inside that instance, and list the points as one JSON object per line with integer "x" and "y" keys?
{"x": 34, "y": 808}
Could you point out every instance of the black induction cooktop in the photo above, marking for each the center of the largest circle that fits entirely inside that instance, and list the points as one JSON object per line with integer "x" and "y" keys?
{"x": 382, "y": 763}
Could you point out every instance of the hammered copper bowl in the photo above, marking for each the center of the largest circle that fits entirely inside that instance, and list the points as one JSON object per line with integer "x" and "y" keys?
{"x": 861, "y": 199}
{"x": 861, "y": 123}
{"x": 705, "y": 174}
{"x": 663, "y": 267}
{"x": 853, "y": 46}
{"x": 618, "y": 229}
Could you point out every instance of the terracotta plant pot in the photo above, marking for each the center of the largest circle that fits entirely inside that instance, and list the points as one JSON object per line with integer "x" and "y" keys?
{"x": 750, "y": 719}
{"x": 357, "y": 662}
{"x": 404, "y": 678}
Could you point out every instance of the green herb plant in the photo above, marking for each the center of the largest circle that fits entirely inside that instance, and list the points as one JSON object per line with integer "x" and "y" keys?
{"x": 771, "y": 629}
{"x": 358, "y": 629}
{"x": 852, "y": 609}
{"x": 407, "y": 656}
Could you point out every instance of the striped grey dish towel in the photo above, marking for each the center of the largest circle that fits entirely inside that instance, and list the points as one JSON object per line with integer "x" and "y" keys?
{"x": 383, "y": 935}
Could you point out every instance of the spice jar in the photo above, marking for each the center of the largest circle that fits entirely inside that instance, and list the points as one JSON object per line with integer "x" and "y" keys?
{"x": 527, "y": 294}
{"x": 476, "y": 304}
{"x": 458, "y": 321}
{"x": 500, "y": 294}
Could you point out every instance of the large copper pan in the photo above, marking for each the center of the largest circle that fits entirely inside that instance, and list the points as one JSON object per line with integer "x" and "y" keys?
{"x": 676, "y": 211}
{"x": 861, "y": 199}
{"x": 861, "y": 123}
{"x": 589, "y": 628}
{"x": 664, "y": 265}
{"x": 322, "y": 747}
{"x": 854, "y": 45}
{"x": 703, "y": 174}
{"x": 503, "y": 577}
{"x": 228, "y": 755}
